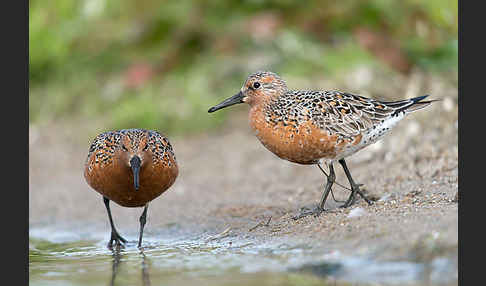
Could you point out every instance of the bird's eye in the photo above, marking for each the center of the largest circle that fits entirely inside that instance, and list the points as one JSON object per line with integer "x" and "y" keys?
{"x": 256, "y": 85}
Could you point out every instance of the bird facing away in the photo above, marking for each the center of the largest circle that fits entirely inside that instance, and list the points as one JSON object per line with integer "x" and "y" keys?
{"x": 130, "y": 167}
{"x": 315, "y": 127}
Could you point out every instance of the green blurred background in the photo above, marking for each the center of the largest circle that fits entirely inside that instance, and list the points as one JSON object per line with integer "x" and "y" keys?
{"x": 161, "y": 64}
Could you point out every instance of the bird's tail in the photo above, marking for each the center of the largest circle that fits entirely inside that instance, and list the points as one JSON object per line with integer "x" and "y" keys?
{"x": 410, "y": 105}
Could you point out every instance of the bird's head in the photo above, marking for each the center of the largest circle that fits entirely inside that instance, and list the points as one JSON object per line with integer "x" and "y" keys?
{"x": 259, "y": 87}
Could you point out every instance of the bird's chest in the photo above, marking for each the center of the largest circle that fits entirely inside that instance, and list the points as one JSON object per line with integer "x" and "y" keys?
{"x": 299, "y": 142}
{"x": 115, "y": 181}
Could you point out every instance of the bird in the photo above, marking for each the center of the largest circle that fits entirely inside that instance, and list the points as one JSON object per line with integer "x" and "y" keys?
{"x": 315, "y": 127}
{"x": 131, "y": 167}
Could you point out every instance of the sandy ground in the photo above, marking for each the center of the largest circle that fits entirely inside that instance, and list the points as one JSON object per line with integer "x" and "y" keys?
{"x": 228, "y": 179}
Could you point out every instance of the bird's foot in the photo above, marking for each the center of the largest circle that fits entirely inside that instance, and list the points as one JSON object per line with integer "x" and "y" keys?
{"x": 118, "y": 239}
{"x": 306, "y": 212}
{"x": 352, "y": 198}
{"x": 348, "y": 203}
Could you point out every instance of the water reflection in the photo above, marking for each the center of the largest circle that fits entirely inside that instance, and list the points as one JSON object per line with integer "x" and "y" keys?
{"x": 117, "y": 255}
{"x": 116, "y": 262}
{"x": 145, "y": 270}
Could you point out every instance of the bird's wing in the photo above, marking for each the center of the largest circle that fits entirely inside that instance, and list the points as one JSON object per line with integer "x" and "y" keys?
{"x": 349, "y": 115}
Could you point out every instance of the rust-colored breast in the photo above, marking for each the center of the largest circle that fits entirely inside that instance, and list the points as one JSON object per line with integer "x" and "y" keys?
{"x": 304, "y": 143}
{"x": 115, "y": 181}
{"x": 107, "y": 171}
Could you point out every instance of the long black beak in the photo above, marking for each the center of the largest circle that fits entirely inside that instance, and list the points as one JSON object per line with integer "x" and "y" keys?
{"x": 235, "y": 99}
{"x": 135, "y": 163}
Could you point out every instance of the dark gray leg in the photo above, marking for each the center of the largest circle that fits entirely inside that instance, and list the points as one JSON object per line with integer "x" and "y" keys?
{"x": 354, "y": 187}
{"x": 114, "y": 234}
{"x": 143, "y": 220}
{"x": 332, "y": 194}
{"x": 320, "y": 208}
{"x": 330, "y": 181}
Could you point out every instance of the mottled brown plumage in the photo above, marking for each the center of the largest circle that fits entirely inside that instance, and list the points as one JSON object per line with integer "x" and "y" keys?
{"x": 130, "y": 167}
{"x": 312, "y": 126}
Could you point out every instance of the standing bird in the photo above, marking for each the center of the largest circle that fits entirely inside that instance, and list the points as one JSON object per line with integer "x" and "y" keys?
{"x": 312, "y": 127}
{"x": 130, "y": 167}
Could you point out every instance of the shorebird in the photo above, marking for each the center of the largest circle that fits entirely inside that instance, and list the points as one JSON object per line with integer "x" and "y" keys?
{"x": 316, "y": 127}
{"x": 130, "y": 167}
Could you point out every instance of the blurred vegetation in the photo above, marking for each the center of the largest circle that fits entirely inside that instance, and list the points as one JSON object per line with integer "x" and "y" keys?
{"x": 162, "y": 64}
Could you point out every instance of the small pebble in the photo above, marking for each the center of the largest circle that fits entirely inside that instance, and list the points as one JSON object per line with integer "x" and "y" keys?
{"x": 357, "y": 212}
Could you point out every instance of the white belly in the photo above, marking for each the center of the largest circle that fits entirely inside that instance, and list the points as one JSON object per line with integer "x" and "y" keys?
{"x": 371, "y": 136}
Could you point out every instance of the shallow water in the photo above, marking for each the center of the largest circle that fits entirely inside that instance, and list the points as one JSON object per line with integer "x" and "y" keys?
{"x": 80, "y": 257}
